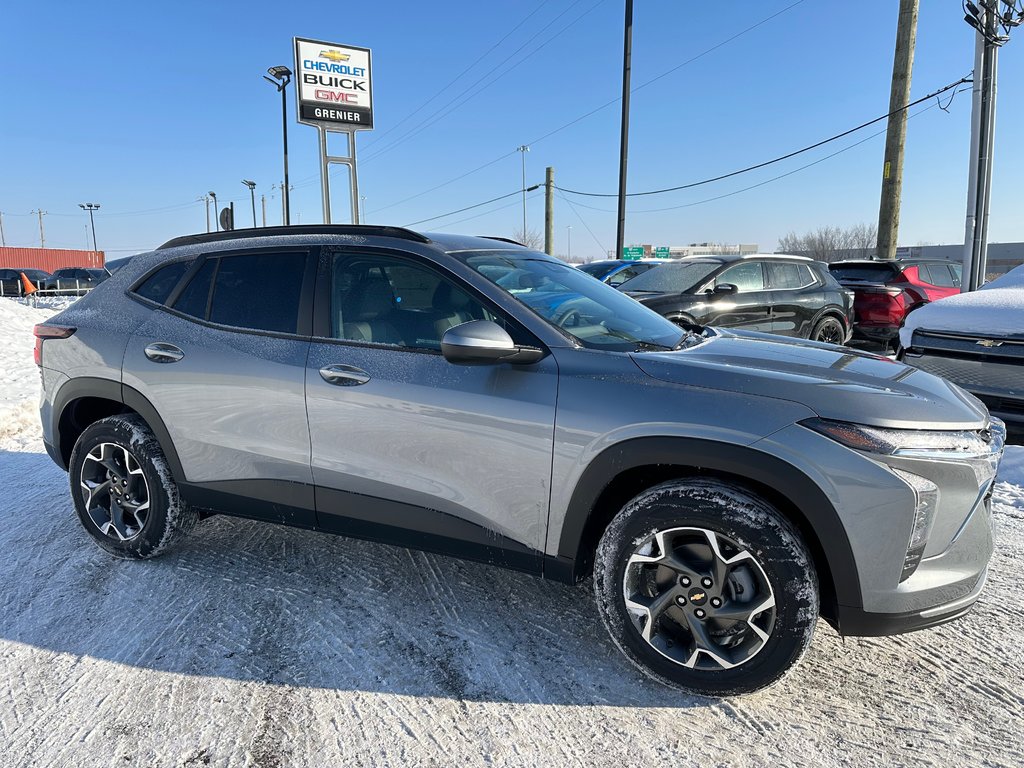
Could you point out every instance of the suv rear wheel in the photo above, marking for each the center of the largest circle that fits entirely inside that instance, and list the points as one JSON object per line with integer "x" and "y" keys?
{"x": 123, "y": 491}
{"x": 829, "y": 330}
{"x": 706, "y": 587}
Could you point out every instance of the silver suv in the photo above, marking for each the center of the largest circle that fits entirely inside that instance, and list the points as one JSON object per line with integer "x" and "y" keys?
{"x": 469, "y": 396}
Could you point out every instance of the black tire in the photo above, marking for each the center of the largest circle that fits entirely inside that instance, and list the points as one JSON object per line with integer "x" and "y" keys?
{"x": 829, "y": 330}
{"x": 734, "y": 515}
{"x": 125, "y": 442}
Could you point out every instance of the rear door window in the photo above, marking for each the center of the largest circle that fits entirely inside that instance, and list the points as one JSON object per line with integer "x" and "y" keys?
{"x": 938, "y": 274}
{"x": 788, "y": 276}
{"x": 259, "y": 291}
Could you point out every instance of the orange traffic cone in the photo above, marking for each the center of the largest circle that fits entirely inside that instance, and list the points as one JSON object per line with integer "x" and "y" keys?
{"x": 29, "y": 289}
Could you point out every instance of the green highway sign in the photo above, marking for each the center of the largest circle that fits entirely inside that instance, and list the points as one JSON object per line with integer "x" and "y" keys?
{"x": 661, "y": 252}
{"x": 632, "y": 253}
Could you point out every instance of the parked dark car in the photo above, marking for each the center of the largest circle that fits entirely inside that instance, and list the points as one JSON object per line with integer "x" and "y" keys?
{"x": 788, "y": 295}
{"x": 74, "y": 280}
{"x": 886, "y": 291}
{"x": 11, "y": 283}
{"x": 616, "y": 271}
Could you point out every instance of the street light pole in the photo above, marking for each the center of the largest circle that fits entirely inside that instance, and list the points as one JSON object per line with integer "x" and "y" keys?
{"x": 569, "y": 235}
{"x": 90, "y": 207}
{"x": 281, "y": 77}
{"x": 627, "y": 53}
{"x": 252, "y": 196}
{"x": 216, "y": 213}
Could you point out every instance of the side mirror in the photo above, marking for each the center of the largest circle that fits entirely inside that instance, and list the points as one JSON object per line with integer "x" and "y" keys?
{"x": 481, "y": 342}
{"x": 722, "y": 289}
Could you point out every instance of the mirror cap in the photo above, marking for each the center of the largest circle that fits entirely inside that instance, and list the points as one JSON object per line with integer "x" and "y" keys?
{"x": 482, "y": 342}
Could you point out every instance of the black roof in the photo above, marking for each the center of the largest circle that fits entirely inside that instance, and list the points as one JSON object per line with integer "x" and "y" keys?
{"x": 907, "y": 260}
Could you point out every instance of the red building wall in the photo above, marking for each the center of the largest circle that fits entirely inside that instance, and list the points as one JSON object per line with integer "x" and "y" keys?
{"x": 49, "y": 258}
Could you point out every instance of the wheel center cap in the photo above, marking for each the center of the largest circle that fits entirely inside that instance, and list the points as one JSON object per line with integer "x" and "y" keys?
{"x": 697, "y": 596}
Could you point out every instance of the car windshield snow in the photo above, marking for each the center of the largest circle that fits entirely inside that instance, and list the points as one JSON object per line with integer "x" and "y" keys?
{"x": 593, "y": 313}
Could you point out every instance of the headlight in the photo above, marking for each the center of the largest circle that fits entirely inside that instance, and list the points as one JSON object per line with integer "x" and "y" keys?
{"x": 980, "y": 448}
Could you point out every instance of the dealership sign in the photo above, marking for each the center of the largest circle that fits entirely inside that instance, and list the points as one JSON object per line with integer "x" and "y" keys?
{"x": 333, "y": 85}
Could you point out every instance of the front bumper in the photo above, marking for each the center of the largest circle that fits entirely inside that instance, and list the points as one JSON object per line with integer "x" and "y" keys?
{"x": 860, "y": 623}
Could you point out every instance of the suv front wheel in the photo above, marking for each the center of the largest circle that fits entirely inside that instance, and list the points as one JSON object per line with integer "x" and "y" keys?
{"x": 706, "y": 587}
{"x": 123, "y": 491}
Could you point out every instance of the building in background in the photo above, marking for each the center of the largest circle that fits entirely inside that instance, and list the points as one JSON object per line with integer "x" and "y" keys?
{"x": 49, "y": 259}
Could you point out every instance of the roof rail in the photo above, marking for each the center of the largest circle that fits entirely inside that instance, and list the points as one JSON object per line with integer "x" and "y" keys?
{"x": 300, "y": 229}
{"x": 503, "y": 240}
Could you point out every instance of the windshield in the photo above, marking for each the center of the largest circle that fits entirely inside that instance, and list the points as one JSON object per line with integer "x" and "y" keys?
{"x": 596, "y": 315}
{"x": 599, "y": 269}
{"x": 869, "y": 272}
{"x": 672, "y": 278}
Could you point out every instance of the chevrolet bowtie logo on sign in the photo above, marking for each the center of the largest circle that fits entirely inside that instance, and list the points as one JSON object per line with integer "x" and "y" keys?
{"x": 989, "y": 343}
{"x": 334, "y": 56}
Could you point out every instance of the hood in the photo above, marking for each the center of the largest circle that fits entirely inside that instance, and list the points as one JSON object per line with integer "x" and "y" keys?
{"x": 836, "y": 382}
{"x": 994, "y": 311}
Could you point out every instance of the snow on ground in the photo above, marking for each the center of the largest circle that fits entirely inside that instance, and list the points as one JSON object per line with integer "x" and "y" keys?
{"x": 257, "y": 645}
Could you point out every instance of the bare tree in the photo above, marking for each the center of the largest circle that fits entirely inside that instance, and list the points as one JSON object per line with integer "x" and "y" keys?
{"x": 531, "y": 238}
{"x": 832, "y": 243}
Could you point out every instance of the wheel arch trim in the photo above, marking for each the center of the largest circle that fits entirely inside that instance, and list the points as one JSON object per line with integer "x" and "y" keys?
{"x": 788, "y": 481}
{"x": 107, "y": 389}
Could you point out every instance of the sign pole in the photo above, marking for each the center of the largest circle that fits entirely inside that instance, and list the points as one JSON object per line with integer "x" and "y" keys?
{"x": 355, "y": 177}
{"x": 325, "y": 174}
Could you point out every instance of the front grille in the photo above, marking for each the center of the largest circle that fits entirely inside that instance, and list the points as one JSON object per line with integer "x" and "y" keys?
{"x": 998, "y": 378}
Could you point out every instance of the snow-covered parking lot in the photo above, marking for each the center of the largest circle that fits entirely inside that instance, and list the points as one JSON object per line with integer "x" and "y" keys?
{"x": 266, "y": 646}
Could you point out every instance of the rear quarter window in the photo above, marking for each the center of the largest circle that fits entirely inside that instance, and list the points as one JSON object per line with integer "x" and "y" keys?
{"x": 158, "y": 286}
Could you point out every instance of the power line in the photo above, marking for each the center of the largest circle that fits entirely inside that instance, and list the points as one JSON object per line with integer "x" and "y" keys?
{"x": 452, "y": 106}
{"x": 377, "y": 139}
{"x": 583, "y": 222}
{"x": 493, "y": 210}
{"x": 603, "y": 106}
{"x": 779, "y": 159}
{"x": 470, "y": 207}
{"x": 761, "y": 183}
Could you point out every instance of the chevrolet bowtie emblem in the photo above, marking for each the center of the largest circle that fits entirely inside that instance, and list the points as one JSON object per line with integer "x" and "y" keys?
{"x": 334, "y": 56}
{"x": 989, "y": 343}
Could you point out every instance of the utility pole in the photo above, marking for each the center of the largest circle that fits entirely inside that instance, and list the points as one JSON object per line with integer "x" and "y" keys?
{"x": 263, "y": 203}
{"x": 627, "y": 55}
{"x": 205, "y": 200}
{"x": 523, "y": 149}
{"x": 568, "y": 234}
{"x": 42, "y": 235}
{"x": 983, "y": 119}
{"x": 3, "y": 240}
{"x": 549, "y": 211}
{"x": 896, "y": 132}
{"x": 216, "y": 213}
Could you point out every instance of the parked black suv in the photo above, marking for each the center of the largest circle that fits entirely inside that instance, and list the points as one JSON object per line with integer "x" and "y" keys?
{"x": 788, "y": 295}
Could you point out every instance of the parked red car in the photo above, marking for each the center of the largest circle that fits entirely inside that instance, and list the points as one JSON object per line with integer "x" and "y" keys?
{"x": 885, "y": 291}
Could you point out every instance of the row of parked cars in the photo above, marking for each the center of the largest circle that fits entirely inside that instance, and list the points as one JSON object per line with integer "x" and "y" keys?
{"x": 788, "y": 295}
{"x": 69, "y": 280}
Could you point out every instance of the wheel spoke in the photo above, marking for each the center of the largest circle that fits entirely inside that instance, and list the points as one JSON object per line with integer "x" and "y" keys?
{"x": 703, "y": 644}
{"x": 93, "y": 489}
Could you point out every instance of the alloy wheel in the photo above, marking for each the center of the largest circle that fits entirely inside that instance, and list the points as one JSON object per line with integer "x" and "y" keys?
{"x": 699, "y": 598}
{"x": 115, "y": 491}
{"x": 830, "y": 333}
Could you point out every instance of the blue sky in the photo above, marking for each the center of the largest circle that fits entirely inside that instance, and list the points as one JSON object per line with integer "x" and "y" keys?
{"x": 144, "y": 107}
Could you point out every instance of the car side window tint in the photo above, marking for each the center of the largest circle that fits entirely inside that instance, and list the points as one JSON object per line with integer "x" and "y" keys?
{"x": 620, "y": 277}
{"x": 195, "y": 299}
{"x": 158, "y": 286}
{"x": 385, "y": 300}
{"x": 940, "y": 275}
{"x": 787, "y": 276}
{"x": 957, "y": 271}
{"x": 259, "y": 291}
{"x": 747, "y": 276}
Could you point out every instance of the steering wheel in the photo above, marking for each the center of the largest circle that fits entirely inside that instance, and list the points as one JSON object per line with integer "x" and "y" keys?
{"x": 570, "y": 318}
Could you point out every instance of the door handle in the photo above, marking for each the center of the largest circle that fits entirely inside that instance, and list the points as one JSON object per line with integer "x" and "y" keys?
{"x": 344, "y": 375}
{"x": 162, "y": 352}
